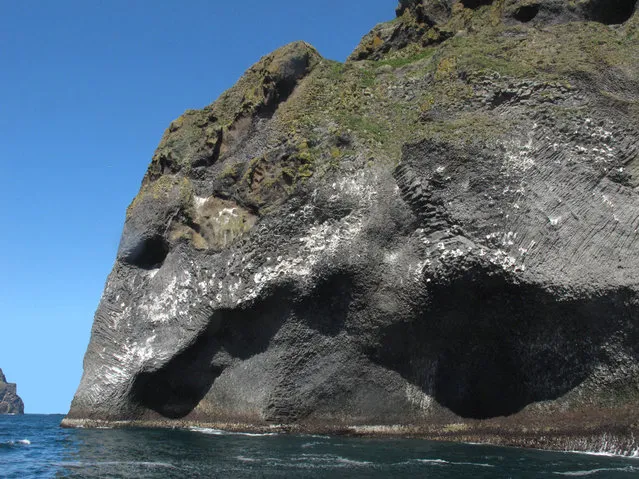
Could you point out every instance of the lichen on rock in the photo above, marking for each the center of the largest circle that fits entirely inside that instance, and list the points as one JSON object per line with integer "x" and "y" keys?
{"x": 200, "y": 138}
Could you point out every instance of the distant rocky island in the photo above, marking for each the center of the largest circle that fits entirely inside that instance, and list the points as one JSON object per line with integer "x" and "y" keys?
{"x": 10, "y": 402}
{"x": 438, "y": 237}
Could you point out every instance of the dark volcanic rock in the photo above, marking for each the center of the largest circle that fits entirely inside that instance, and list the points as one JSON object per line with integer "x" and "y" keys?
{"x": 10, "y": 402}
{"x": 439, "y": 238}
{"x": 429, "y": 22}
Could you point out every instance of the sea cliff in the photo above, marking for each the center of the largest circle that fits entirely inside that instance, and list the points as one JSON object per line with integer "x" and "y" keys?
{"x": 437, "y": 237}
{"x": 10, "y": 402}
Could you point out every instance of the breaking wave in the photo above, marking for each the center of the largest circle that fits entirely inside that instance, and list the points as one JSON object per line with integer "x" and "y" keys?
{"x": 590, "y": 472}
{"x": 220, "y": 432}
{"x": 18, "y": 443}
{"x": 443, "y": 462}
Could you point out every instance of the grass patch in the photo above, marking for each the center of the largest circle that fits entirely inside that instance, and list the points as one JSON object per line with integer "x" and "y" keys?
{"x": 405, "y": 57}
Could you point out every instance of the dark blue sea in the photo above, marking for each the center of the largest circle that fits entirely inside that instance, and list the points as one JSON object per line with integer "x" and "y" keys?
{"x": 34, "y": 446}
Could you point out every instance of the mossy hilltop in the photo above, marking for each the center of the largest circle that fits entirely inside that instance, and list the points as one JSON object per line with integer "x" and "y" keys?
{"x": 392, "y": 92}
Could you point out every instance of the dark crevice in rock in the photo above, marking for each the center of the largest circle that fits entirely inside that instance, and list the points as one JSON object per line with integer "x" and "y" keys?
{"x": 526, "y": 13}
{"x": 215, "y": 154}
{"x": 278, "y": 86}
{"x": 418, "y": 194}
{"x": 476, "y": 3}
{"x": 403, "y": 6}
{"x": 610, "y": 12}
{"x": 486, "y": 345}
{"x": 276, "y": 92}
{"x": 150, "y": 253}
{"x": 502, "y": 97}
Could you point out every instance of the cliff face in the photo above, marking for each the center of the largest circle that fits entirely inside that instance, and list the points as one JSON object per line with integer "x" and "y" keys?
{"x": 437, "y": 237}
{"x": 10, "y": 402}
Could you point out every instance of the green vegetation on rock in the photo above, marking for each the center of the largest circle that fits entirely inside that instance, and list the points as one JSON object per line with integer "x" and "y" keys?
{"x": 424, "y": 75}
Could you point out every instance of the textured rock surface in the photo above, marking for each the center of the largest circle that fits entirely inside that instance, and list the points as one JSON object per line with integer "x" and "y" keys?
{"x": 438, "y": 237}
{"x": 10, "y": 402}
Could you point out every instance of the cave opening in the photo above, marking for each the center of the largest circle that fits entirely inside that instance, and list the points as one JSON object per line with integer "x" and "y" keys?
{"x": 175, "y": 389}
{"x": 611, "y": 12}
{"x": 151, "y": 253}
{"x": 485, "y": 346}
{"x": 526, "y": 13}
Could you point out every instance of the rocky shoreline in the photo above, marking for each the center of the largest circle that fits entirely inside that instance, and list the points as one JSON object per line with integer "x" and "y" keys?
{"x": 611, "y": 438}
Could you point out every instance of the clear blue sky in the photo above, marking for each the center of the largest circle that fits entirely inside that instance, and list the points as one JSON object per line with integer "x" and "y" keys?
{"x": 87, "y": 88}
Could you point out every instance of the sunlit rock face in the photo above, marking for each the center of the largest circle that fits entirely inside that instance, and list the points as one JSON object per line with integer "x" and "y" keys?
{"x": 10, "y": 402}
{"x": 437, "y": 237}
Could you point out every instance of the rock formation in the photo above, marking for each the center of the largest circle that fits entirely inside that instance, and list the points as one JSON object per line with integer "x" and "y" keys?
{"x": 438, "y": 237}
{"x": 10, "y": 402}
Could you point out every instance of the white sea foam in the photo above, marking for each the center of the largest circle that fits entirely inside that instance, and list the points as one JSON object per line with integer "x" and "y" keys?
{"x": 165, "y": 465}
{"x": 624, "y": 454}
{"x": 8, "y": 444}
{"x": 433, "y": 461}
{"x": 351, "y": 462}
{"x": 20, "y": 442}
{"x": 590, "y": 472}
{"x": 311, "y": 444}
{"x": 208, "y": 430}
{"x": 328, "y": 460}
{"x": 454, "y": 463}
{"x": 220, "y": 432}
{"x": 476, "y": 464}
{"x": 245, "y": 459}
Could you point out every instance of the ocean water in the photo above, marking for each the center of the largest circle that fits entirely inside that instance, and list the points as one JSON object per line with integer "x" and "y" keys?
{"x": 34, "y": 446}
